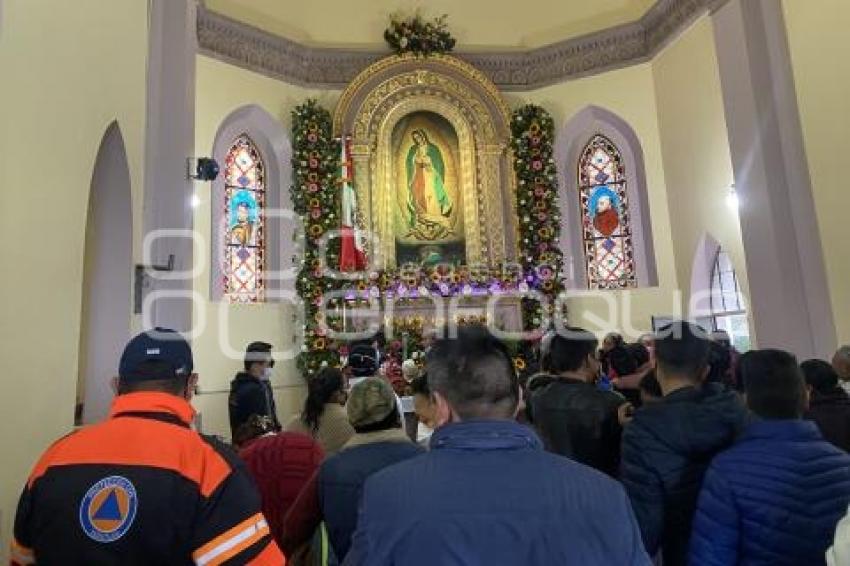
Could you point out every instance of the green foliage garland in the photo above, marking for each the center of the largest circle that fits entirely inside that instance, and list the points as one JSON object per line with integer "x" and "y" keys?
{"x": 533, "y": 134}
{"x": 315, "y": 167}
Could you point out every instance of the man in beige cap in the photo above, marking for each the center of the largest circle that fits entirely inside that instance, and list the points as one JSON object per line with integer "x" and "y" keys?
{"x": 333, "y": 493}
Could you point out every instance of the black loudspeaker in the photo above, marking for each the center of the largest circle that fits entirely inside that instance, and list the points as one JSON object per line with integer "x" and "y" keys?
{"x": 205, "y": 169}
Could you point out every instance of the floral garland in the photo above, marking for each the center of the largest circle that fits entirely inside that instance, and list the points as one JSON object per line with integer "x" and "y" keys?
{"x": 315, "y": 195}
{"x": 415, "y": 35}
{"x": 315, "y": 167}
{"x": 533, "y": 132}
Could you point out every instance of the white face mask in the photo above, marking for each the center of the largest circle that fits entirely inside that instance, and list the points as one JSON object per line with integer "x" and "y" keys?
{"x": 267, "y": 373}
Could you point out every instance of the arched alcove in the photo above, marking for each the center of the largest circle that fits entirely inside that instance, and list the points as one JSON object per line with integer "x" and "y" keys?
{"x": 275, "y": 149}
{"x": 396, "y": 87}
{"x": 105, "y": 320}
{"x": 571, "y": 140}
{"x": 716, "y": 300}
{"x": 699, "y": 303}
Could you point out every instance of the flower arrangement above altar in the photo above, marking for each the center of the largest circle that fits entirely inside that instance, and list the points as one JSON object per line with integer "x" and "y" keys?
{"x": 415, "y": 35}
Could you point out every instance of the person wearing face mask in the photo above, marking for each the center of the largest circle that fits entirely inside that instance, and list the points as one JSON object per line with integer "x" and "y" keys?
{"x": 572, "y": 416}
{"x": 251, "y": 390}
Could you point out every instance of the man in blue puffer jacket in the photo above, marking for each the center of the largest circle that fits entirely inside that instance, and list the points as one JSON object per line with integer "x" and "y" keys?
{"x": 775, "y": 497}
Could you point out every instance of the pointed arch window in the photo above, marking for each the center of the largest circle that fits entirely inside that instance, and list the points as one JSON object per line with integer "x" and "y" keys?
{"x": 609, "y": 254}
{"x": 244, "y": 261}
{"x": 728, "y": 309}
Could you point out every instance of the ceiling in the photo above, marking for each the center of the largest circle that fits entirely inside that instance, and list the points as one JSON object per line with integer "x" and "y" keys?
{"x": 478, "y": 25}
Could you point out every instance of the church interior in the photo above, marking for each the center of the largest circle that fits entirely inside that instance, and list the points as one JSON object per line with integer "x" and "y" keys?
{"x": 243, "y": 170}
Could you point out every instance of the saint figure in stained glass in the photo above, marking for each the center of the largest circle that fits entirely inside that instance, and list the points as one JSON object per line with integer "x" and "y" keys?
{"x": 607, "y": 236}
{"x": 243, "y": 264}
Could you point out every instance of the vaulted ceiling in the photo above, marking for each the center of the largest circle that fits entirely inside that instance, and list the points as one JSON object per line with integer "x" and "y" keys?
{"x": 477, "y": 24}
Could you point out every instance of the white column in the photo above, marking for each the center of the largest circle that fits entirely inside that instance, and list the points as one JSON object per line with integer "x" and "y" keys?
{"x": 169, "y": 141}
{"x": 789, "y": 296}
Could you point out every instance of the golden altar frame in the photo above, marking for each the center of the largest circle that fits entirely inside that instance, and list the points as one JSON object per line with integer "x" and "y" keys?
{"x": 395, "y": 87}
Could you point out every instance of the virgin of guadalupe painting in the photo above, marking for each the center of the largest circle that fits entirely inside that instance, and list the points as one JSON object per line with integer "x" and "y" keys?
{"x": 428, "y": 203}
{"x": 426, "y": 172}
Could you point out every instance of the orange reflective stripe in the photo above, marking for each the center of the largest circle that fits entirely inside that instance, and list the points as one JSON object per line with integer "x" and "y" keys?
{"x": 21, "y": 555}
{"x": 270, "y": 556}
{"x": 132, "y": 441}
{"x": 233, "y": 541}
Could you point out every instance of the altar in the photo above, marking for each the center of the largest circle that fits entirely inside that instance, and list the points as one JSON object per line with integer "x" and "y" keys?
{"x": 427, "y": 205}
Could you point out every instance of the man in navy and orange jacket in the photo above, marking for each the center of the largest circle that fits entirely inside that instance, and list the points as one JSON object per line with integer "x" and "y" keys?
{"x": 142, "y": 487}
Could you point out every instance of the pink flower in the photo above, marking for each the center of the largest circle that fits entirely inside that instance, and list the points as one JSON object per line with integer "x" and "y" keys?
{"x": 541, "y": 216}
{"x": 312, "y": 138}
{"x": 537, "y": 165}
{"x": 540, "y": 192}
{"x": 542, "y": 246}
{"x": 316, "y": 212}
{"x": 535, "y": 140}
{"x": 314, "y": 163}
{"x": 313, "y": 187}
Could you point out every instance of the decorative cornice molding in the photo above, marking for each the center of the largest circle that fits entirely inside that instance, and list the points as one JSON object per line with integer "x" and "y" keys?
{"x": 621, "y": 46}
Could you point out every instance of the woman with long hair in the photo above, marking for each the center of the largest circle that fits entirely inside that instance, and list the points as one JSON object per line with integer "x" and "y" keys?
{"x": 324, "y": 417}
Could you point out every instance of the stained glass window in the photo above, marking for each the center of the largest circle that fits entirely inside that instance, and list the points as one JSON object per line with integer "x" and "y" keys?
{"x": 244, "y": 259}
{"x": 606, "y": 231}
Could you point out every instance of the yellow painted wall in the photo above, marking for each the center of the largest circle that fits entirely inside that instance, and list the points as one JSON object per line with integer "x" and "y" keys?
{"x": 67, "y": 74}
{"x": 222, "y": 88}
{"x": 628, "y": 93}
{"x": 695, "y": 147}
{"x": 819, "y": 54}
{"x": 227, "y": 329}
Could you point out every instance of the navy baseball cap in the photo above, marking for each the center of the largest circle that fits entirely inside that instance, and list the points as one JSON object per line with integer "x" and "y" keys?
{"x": 156, "y": 354}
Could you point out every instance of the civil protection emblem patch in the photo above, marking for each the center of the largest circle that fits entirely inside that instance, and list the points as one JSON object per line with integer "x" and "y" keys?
{"x": 108, "y": 509}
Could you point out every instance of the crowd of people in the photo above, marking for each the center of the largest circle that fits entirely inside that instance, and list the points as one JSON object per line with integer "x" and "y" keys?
{"x": 673, "y": 450}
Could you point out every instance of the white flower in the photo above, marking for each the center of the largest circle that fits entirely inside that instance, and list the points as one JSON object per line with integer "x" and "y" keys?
{"x": 402, "y": 42}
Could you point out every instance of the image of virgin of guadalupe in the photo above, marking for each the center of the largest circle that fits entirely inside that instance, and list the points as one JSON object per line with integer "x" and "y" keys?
{"x": 428, "y": 204}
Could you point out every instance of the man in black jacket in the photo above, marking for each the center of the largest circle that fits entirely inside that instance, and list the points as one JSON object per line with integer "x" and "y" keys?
{"x": 829, "y": 404}
{"x": 669, "y": 444}
{"x": 251, "y": 390}
{"x": 573, "y": 417}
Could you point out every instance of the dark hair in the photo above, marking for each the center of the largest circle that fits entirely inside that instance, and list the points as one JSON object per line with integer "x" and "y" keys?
{"x": 320, "y": 388}
{"x": 419, "y": 385}
{"x": 719, "y": 361}
{"x": 649, "y": 384}
{"x": 682, "y": 348}
{"x": 773, "y": 383}
{"x": 620, "y": 359}
{"x": 173, "y": 385}
{"x": 475, "y": 374}
{"x": 820, "y": 375}
{"x": 254, "y": 427}
{"x": 639, "y": 352}
{"x": 389, "y": 422}
{"x": 568, "y": 352}
{"x": 257, "y": 353}
{"x": 616, "y": 338}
